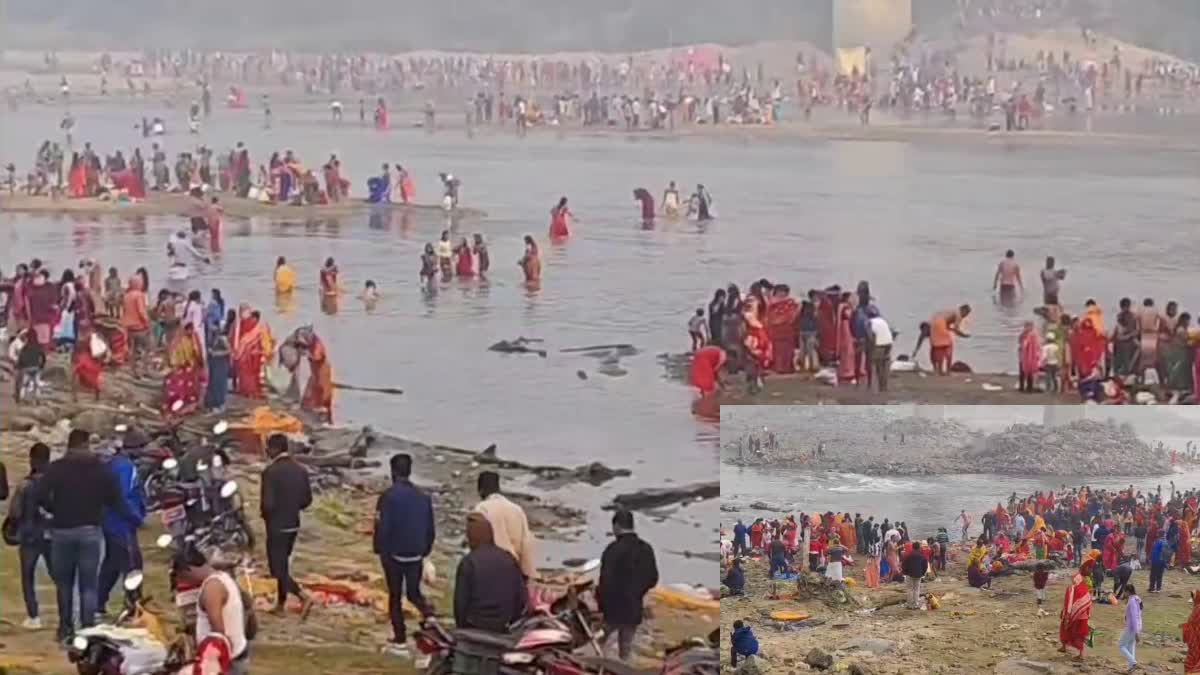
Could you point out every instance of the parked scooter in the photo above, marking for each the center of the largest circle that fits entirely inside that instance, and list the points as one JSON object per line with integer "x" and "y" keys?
{"x": 113, "y": 650}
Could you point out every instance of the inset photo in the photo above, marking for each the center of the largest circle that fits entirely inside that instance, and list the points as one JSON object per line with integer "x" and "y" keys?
{"x": 931, "y": 538}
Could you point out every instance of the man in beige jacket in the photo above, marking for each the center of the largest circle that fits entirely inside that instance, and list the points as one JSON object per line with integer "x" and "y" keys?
{"x": 509, "y": 524}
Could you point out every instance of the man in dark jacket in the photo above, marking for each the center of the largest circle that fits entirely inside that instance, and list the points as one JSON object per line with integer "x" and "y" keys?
{"x": 915, "y": 567}
{"x": 404, "y": 534}
{"x": 32, "y": 533}
{"x": 75, "y": 491}
{"x": 286, "y": 492}
{"x": 489, "y": 587}
{"x": 627, "y": 572}
{"x": 735, "y": 578}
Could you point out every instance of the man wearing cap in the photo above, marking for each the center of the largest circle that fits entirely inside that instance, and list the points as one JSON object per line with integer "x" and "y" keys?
{"x": 627, "y": 572}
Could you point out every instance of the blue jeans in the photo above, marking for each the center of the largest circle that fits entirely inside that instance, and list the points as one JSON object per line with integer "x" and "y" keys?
{"x": 778, "y": 564}
{"x": 75, "y": 558}
{"x": 28, "y": 555}
{"x": 121, "y": 556}
{"x": 1128, "y": 646}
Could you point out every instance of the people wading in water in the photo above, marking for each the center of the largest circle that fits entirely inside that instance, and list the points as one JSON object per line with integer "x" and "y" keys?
{"x": 559, "y": 216}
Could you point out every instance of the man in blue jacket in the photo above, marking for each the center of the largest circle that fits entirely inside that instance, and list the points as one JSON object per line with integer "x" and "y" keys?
{"x": 122, "y": 554}
{"x": 404, "y": 534}
{"x": 740, "y": 532}
{"x": 735, "y": 578}
{"x": 742, "y": 643}
{"x": 1160, "y": 555}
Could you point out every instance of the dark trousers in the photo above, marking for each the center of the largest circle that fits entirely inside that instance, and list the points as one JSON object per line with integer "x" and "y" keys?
{"x": 75, "y": 553}
{"x": 28, "y": 555}
{"x": 740, "y": 548}
{"x": 1156, "y": 576}
{"x": 122, "y": 555}
{"x": 279, "y": 562}
{"x": 403, "y": 580}
{"x": 1025, "y": 382}
{"x": 778, "y": 565}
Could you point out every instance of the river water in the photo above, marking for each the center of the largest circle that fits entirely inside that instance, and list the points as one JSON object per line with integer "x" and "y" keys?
{"x": 925, "y": 223}
{"x": 929, "y": 502}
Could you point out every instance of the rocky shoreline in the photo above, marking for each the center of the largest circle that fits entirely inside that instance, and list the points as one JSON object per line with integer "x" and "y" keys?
{"x": 876, "y": 443}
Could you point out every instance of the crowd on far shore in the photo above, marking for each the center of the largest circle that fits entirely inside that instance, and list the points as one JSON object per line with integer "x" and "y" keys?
{"x": 1102, "y": 535}
{"x": 844, "y": 338}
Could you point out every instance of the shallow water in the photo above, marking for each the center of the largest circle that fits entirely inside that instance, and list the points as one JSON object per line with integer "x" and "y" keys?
{"x": 924, "y": 223}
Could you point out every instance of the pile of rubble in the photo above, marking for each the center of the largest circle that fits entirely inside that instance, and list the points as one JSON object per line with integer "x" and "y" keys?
{"x": 1081, "y": 448}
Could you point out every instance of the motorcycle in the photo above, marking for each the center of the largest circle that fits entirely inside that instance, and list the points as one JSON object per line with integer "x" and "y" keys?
{"x": 467, "y": 651}
{"x": 214, "y": 519}
{"x": 698, "y": 656}
{"x": 119, "y": 649}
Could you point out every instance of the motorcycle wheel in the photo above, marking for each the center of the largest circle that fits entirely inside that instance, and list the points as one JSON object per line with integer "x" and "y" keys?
{"x": 151, "y": 489}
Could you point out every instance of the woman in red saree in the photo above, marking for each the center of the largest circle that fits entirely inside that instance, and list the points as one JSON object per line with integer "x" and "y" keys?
{"x": 465, "y": 265}
{"x": 782, "y": 314}
{"x": 87, "y": 370}
{"x": 847, "y": 359}
{"x": 1088, "y": 348}
{"x": 758, "y": 341}
{"x": 1113, "y": 547}
{"x": 77, "y": 178}
{"x": 1191, "y": 637}
{"x": 249, "y": 354}
{"x": 558, "y": 220}
{"x": 1029, "y": 357}
{"x": 318, "y": 393}
{"x": 1074, "y": 622}
{"x": 188, "y": 377}
{"x": 827, "y": 323}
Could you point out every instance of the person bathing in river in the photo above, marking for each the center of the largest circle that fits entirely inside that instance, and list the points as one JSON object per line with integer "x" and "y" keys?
{"x": 696, "y": 329}
{"x": 330, "y": 287}
{"x": 1007, "y": 280}
{"x": 370, "y": 294}
{"x": 670, "y": 201}
{"x": 481, "y": 255}
{"x": 700, "y": 204}
{"x": 643, "y": 197}
{"x": 318, "y": 393}
{"x": 429, "y": 267}
{"x": 531, "y": 262}
{"x": 559, "y": 216}
{"x": 445, "y": 254}
{"x": 465, "y": 262}
{"x": 285, "y": 277}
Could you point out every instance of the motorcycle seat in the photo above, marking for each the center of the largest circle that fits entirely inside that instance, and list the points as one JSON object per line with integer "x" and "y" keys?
{"x": 500, "y": 641}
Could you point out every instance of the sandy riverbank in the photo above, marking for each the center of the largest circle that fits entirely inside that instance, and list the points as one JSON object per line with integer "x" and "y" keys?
{"x": 336, "y": 537}
{"x": 179, "y": 204}
{"x": 974, "y": 631}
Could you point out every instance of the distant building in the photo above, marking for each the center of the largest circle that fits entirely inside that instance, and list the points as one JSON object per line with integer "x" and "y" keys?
{"x": 865, "y": 31}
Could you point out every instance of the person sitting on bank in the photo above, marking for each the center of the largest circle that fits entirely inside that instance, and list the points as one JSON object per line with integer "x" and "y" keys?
{"x": 742, "y": 642}
{"x": 735, "y": 578}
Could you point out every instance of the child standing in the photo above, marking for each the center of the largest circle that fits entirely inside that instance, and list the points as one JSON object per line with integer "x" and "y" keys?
{"x": 1051, "y": 361}
{"x": 1133, "y": 627}
{"x": 809, "y": 359}
{"x": 697, "y": 328}
{"x": 1040, "y": 576}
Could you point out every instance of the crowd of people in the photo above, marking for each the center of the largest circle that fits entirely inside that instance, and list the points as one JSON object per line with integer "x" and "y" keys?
{"x": 1100, "y": 534}
{"x": 207, "y": 346}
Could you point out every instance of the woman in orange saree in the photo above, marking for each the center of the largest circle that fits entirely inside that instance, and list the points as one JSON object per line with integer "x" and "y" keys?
{"x": 782, "y": 315}
{"x": 318, "y": 393}
{"x": 1191, "y": 637}
{"x": 249, "y": 354}
{"x": 1074, "y": 622}
{"x": 758, "y": 342}
{"x": 188, "y": 378}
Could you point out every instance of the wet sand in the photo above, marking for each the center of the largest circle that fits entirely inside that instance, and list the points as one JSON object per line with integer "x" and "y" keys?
{"x": 180, "y": 204}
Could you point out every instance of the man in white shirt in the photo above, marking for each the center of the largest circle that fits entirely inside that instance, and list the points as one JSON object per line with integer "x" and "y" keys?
{"x": 881, "y": 338}
{"x": 510, "y": 527}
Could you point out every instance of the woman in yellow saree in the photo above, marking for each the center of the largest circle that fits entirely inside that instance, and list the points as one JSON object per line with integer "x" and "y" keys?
{"x": 188, "y": 378}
